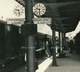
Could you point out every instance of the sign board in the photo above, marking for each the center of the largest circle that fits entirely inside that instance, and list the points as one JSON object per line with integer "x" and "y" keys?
{"x": 15, "y": 20}
{"x": 22, "y": 2}
{"x": 42, "y": 20}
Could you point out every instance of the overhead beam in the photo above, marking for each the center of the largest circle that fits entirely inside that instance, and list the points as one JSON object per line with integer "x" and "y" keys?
{"x": 56, "y": 5}
{"x": 69, "y": 10}
{"x": 67, "y": 18}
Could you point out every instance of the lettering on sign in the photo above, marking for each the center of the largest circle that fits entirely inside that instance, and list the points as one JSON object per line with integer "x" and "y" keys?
{"x": 15, "y": 20}
{"x": 42, "y": 20}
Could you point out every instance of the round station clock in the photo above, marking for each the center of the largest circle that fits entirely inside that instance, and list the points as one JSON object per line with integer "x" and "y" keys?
{"x": 18, "y": 10}
{"x": 39, "y": 9}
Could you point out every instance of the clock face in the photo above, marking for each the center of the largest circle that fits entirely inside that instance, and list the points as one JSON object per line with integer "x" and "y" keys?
{"x": 18, "y": 10}
{"x": 39, "y": 9}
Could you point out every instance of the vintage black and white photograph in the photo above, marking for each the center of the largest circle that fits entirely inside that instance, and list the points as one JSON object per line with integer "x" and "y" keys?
{"x": 39, "y": 36}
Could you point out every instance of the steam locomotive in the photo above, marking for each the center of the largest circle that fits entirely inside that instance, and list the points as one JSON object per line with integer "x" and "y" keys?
{"x": 11, "y": 42}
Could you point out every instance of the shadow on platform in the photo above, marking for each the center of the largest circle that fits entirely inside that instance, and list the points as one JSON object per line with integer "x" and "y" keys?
{"x": 71, "y": 63}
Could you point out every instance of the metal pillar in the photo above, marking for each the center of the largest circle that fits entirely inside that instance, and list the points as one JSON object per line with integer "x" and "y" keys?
{"x": 59, "y": 39}
{"x": 54, "y": 48}
{"x": 30, "y": 46}
{"x": 54, "y": 63}
{"x": 63, "y": 40}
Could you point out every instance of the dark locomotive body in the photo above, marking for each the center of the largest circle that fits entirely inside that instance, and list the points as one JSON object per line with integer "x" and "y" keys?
{"x": 12, "y": 53}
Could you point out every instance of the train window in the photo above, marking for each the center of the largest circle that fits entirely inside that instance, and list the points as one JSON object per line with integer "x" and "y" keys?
{"x": 47, "y": 42}
{"x": 7, "y": 27}
{"x": 20, "y": 30}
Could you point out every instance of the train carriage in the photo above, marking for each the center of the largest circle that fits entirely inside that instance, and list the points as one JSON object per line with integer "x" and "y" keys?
{"x": 11, "y": 42}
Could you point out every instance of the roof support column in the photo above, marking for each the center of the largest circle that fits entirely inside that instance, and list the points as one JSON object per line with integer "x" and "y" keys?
{"x": 59, "y": 40}
{"x": 63, "y": 40}
{"x": 62, "y": 44}
{"x": 53, "y": 26}
{"x": 54, "y": 63}
{"x": 29, "y": 30}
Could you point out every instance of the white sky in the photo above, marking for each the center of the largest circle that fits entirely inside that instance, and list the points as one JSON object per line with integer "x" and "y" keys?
{"x": 73, "y": 33}
{"x": 6, "y": 11}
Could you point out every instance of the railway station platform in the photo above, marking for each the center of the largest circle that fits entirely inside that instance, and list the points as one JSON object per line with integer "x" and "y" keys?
{"x": 71, "y": 63}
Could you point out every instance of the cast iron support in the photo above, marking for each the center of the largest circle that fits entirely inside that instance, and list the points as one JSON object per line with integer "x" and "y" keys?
{"x": 54, "y": 63}
{"x": 59, "y": 35}
{"x": 63, "y": 40}
{"x": 59, "y": 50}
{"x": 59, "y": 39}
{"x": 29, "y": 39}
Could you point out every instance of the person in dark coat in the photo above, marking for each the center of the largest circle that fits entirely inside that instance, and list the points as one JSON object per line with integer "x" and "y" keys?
{"x": 71, "y": 44}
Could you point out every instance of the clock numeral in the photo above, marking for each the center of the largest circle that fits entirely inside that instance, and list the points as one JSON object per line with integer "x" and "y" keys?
{"x": 18, "y": 10}
{"x": 39, "y": 9}
{"x": 36, "y": 12}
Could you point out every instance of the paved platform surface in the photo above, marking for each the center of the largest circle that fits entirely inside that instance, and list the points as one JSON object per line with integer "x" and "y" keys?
{"x": 71, "y": 63}
{"x": 39, "y": 60}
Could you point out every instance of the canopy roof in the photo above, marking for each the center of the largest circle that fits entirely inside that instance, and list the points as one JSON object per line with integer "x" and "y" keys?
{"x": 65, "y": 14}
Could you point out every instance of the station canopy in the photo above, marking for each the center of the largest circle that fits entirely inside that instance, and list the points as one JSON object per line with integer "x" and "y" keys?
{"x": 65, "y": 14}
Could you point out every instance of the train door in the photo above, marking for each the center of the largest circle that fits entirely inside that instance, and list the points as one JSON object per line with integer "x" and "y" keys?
{"x": 2, "y": 41}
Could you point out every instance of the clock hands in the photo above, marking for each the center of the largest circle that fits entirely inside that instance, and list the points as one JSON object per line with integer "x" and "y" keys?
{"x": 39, "y": 9}
{"x": 18, "y": 10}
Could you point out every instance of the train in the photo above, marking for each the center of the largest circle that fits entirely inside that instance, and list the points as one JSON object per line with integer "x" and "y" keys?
{"x": 74, "y": 44}
{"x": 12, "y": 42}
{"x": 77, "y": 43}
